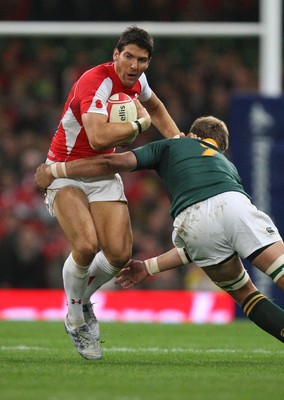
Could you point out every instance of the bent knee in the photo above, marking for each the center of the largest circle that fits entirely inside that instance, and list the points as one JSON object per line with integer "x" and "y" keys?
{"x": 87, "y": 248}
{"x": 118, "y": 259}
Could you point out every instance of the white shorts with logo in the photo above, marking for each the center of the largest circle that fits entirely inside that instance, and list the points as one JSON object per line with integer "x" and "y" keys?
{"x": 216, "y": 228}
{"x": 109, "y": 188}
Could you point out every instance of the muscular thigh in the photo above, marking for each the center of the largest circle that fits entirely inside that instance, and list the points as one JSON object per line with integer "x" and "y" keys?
{"x": 72, "y": 211}
{"x": 113, "y": 228}
{"x": 225, "y": 271}
{"x": 268, "y": 256}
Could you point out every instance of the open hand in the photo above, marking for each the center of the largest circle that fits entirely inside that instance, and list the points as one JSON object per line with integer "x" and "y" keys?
{"x": 135, "y": 272}
{"x": 193, "y": 136}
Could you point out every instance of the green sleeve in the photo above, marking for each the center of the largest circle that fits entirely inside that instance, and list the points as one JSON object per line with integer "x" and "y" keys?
{"x": 149, "y": 156}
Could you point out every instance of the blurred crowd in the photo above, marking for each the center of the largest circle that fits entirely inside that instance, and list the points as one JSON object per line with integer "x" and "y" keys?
{"x": 129, "y": 10}
{"x": 192, "y": 77}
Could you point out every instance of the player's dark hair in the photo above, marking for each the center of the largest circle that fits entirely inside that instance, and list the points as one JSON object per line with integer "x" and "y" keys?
{"x": 211, "y": 127}
{"x": 137, "y": 36}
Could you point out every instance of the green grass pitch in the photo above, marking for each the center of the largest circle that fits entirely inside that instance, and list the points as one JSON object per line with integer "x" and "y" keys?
{"x": 142, "y": 362}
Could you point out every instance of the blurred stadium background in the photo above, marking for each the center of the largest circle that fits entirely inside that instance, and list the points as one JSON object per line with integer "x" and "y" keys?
{"x": 193, "y": 75}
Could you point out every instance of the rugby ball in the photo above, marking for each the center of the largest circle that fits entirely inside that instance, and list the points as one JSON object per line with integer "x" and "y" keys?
{"x": 121, "y": 108}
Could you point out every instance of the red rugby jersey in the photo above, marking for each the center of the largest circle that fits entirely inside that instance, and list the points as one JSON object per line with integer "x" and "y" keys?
{"x": 89, "y": 94}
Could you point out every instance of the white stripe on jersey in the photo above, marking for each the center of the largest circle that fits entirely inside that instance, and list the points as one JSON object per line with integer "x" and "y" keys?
{"x": 103, "y": 93}
{"x": 146, "y": 92}
{"x": 70, "y": 125}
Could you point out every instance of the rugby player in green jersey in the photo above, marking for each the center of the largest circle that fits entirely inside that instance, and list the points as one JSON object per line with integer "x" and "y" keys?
{"x": 215, "y": 223}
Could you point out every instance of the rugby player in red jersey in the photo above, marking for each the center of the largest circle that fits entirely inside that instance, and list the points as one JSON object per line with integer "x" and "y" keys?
{"x": 93, "y": 213}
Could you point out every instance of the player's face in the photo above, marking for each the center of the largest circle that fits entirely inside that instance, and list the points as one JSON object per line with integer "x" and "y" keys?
{"x": 130, "y": 64}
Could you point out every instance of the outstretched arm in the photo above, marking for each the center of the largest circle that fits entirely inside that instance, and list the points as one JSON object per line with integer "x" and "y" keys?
{"x": 91, "y": 167}
{"x": 136, "y": 271}
{"x": 160, "y": 117}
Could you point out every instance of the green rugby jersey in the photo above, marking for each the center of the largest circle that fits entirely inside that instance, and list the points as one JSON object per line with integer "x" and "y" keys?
{"x": 192, "y": 170}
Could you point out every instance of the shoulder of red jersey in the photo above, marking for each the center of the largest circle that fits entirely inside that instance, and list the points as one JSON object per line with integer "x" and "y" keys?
{"x": 97, "y": 77}
{"x": 105, "y": 70}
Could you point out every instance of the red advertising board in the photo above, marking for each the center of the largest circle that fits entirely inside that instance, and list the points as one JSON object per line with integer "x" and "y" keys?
{"x": 124, "y": 306}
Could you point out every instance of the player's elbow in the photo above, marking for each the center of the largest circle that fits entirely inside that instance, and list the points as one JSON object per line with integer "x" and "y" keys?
{"x": 99, "y": 143}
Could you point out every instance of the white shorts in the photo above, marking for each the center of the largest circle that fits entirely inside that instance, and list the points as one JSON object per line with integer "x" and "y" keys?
{"x": 108, "y": 188}
{"x": 214, "y": 229}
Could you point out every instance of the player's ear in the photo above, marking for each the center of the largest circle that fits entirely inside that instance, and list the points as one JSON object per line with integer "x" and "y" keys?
{"x": 115, "y": 54}
{"x": 148, "y": 63}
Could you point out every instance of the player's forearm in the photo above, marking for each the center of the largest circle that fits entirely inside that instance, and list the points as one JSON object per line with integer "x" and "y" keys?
{"x": 108, "y": 135}
{"x": 84, "y": 167}
{"x": 89, "y": 167}
{"x": 94, "y": 167}
{"x": 136, "y": 271}
{"x": 163, "y": 122}
{"x": 112, "y": 135}
{"x": 174, "y": 258}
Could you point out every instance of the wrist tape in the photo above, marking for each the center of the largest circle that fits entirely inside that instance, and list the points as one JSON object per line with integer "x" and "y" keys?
{"x": 58, "y": 170}
{"x": 139, "y": 125}
{"x": 152, "y": 266}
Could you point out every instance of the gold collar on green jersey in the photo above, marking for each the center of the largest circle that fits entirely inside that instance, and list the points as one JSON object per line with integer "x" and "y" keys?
{"x": 212, "y": 141}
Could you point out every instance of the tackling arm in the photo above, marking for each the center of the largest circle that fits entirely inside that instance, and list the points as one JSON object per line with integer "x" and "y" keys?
{"x": 90, "y": 167}
{"x": 136, "y": 271}
{"x": 103, "y": 165}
